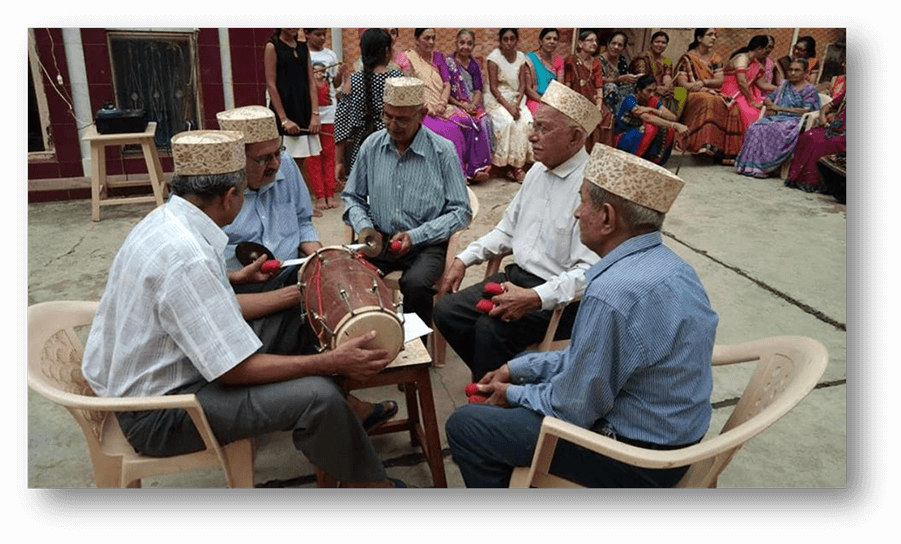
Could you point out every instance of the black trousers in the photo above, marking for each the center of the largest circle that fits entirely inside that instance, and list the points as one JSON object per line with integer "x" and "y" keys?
{"x": 421, "y": 268}
{"x": 487, "y": 343}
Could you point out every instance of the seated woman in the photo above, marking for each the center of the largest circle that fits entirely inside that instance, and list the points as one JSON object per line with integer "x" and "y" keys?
{"x": 582, "y": 73}
{"x": 644, "y": 126}
{"x": 428, "y": 65}
{"x": 506, "y": 105}
{"x": 544, "y": 66}
{"x": 700, "y": 72}
{"x": 804, "y": 48}
{"x": 359, "y": 110}
{"x": 826, "y": 139}
{"x": 770, "y": 141}
{"x": 465, "y": 77}
{"x": 618, "y": 82}
{"x": 654, "y": 63}
{"x": 744, "y": 72}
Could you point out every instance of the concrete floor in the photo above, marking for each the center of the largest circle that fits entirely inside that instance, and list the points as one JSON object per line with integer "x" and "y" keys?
{"x": 772, "y": 260}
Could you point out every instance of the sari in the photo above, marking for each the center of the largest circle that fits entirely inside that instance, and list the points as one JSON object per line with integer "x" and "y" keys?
{"x": 453, "y": 124}
{"x": 586, "y": 81}
{"x": 740, "y": 112}
{"x": 511, "y": 136}
{"x": 814, "y": 144}
{"x": 543, "y": 75}
{"x": 642, "y": 139}
{"x": 464, "y": 82}
{"x": 645, "y": 63}
{"x": 770, "y": 141}
{"x": 704, "y": 113}
{"x": 614, "y": 94}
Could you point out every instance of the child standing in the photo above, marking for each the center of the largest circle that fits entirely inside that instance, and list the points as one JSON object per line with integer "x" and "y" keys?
{"x": 328, "y": 74}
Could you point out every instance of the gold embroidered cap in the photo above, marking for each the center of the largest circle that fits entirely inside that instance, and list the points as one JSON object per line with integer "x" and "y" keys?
{"x": 205, "y": 152}
{"x": 256, "y": 122}
{"x": 632, "y": 178}
{"x": 573, "y": 105}
{"x": 404, "y": 91}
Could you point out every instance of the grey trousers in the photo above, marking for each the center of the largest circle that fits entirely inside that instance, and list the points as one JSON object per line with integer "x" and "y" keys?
{"x": 314, "y": 409}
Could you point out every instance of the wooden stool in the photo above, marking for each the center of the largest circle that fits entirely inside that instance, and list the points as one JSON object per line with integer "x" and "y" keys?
{"x": 98, "y": 167}
{"x": 411, "y": 368}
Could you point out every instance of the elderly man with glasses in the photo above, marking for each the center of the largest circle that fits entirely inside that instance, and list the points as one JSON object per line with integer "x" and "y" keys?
{"x": 408, "y": 190}
{"x": 278, "y": 215}
{"x": 540, "y": 231}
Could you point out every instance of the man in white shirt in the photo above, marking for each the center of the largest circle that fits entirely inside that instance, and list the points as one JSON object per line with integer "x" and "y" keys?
{"x": 169, "y": 322}
{"x": 539, "y": 229}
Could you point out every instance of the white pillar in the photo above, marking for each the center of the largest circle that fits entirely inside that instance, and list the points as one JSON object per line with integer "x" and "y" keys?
{"x": 78, "y": 83}
{"x": 338, "y": 43}
{"x": 228, "y": 89}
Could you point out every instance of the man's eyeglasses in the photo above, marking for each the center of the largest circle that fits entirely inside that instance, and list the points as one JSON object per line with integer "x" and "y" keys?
{"x": 266, "y": 159}
{"x": 401, "y": 122}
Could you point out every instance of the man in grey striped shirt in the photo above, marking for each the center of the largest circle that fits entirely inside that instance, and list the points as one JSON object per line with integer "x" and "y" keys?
{"x": 407, "y": 185}
{"x": 638, "y": 368}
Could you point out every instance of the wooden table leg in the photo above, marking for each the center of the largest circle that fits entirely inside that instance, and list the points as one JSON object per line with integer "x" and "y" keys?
{"x": 98, "y": 176}
{"x": 154, "y": 169}
{"x": 432, "y": 447}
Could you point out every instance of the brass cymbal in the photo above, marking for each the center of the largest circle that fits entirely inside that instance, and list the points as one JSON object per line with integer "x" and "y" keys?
{"x": 248, "y": 252}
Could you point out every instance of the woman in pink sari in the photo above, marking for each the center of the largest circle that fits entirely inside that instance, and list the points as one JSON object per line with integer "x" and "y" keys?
{"x": 744, "y": 70}
{"x": 427, "y": 64}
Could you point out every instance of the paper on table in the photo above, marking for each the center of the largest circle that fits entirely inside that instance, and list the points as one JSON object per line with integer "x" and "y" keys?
{"x": 414, "y": 327}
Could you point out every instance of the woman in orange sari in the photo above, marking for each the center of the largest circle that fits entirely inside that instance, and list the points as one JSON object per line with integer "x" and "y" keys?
{"x": 700, "y": 73}
{"x": 653, "y": 62}
{"x": 582, "y": 73}
{"x": 743, "y": 75}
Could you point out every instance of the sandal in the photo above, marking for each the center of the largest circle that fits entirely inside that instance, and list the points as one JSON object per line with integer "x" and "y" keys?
{"x": 380, "y": 415}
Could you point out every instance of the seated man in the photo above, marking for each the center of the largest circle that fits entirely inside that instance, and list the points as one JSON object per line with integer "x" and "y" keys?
{"x": 407, "y": 184}
{"x": 639, "y": 365}
{"x": 540, "y": 230}
{"x": 278, "y": 215}
{"x": 169, "y": 322}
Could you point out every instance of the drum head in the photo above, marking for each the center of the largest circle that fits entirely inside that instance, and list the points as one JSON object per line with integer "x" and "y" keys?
{"x": 387, "y": 326}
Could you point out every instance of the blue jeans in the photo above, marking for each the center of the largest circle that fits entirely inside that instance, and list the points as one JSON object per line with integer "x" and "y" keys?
{"x": 487, "y": 442}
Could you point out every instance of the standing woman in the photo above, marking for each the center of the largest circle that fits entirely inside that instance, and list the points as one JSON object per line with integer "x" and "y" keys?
{"x": 770, "y": 141}
{"x": 743, "y": 72}
{"x": 544, "y": 66}
{"x": 644, "y": 126}
{"x": 653, "y": 62}
{"x": 618, "y": 82}
{"x": 582, "y": 73}
{"x": 428, "y": 65}
{"x": 700, "y": 72}
{"x": 467, "y": 88}
{"x": 359, "y": 112}
{"x": 804, "y": 48}
{"x": 292, "y": 93}
{"x": 506, "y": 104}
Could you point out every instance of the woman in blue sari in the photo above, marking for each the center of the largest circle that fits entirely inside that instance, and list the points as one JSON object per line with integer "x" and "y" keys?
{"x": 771, "y": 141}
{"x": 644, "y": 127}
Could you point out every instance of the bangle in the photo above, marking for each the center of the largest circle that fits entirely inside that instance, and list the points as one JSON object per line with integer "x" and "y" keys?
{"x": 316, "y": 113}
{"x": 284, "y": 122}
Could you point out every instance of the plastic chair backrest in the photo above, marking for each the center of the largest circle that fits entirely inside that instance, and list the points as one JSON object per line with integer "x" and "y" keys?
{"x": 787, "y": 370}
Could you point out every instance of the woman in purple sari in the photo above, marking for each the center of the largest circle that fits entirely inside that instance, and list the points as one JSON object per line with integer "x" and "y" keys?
{"x": 444, "y": 119}
{"x": 770, "y": 141}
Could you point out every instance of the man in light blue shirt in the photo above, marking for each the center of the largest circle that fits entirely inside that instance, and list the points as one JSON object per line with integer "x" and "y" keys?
{"x": 639, "y": 365}
{"x": 408, "y": 186}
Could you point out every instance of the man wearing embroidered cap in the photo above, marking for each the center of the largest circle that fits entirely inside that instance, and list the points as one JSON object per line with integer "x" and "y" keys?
{"x": 638, "y": 368}
{"x": 169, "y": 322}
{"x": 543, "y": 236}
{"x": 278, "y": 215}
{"x": 407, "y": 185}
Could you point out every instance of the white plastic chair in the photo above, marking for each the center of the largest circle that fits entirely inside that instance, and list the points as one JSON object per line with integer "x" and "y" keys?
{"x": 54, "y": 372}
{"x": 788, "y": 368}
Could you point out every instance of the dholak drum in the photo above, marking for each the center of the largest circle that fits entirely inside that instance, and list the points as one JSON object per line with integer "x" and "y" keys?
{"x": 345, "y": 297}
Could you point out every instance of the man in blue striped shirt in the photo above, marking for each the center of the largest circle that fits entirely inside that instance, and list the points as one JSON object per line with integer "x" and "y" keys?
{"x": 407, "y": 185}
{"x": 639, "y": 365}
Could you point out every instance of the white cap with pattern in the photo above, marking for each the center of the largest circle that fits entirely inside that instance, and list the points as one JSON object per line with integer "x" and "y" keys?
{"x": 633, "y": 178}
{"x": 404, "y": 91}
{"x": 205, "y": 152}
{"x": 256, "y": 122}
{"x": 573, "y": 105}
